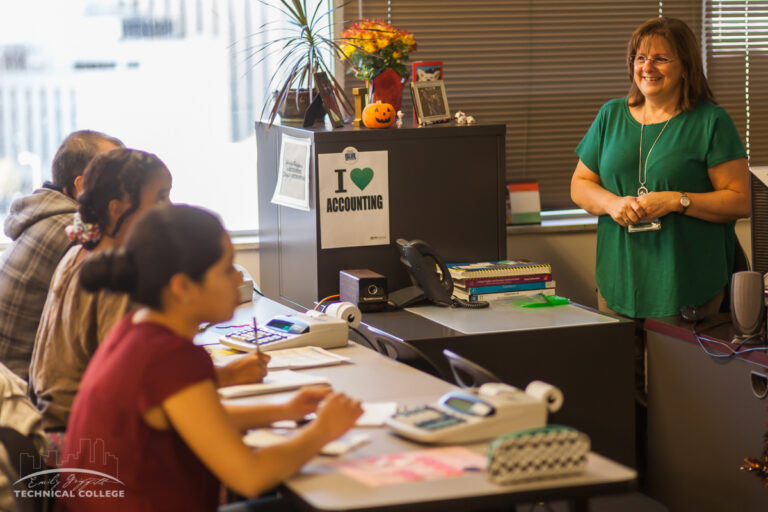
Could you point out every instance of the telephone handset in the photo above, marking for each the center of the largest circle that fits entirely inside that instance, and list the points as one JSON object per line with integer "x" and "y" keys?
{"x": 420, "y": 259}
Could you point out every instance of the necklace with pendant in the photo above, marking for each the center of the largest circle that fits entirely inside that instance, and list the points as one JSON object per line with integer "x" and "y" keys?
{"x": 642, "y": 170}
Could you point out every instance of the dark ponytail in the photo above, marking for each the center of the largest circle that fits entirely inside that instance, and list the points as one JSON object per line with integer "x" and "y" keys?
{"x": 113, "y": 269}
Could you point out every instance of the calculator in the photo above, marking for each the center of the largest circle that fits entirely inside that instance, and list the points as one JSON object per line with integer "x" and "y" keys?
{"x": 469, "y": 416}
{"x": 289, "y": 331}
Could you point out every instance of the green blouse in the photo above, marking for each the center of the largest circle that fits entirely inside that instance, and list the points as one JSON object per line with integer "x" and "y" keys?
{"x": 655, "y": 273}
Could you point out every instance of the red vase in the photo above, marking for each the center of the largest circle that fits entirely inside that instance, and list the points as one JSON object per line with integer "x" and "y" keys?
{"x": 387, "y": 87}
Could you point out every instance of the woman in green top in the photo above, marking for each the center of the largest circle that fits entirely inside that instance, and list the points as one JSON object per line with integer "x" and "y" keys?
{"x": 666, "y": 172}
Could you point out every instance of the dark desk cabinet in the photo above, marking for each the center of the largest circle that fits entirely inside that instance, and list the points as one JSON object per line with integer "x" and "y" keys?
{"x": 446, "y": 186}
{"x": 593, "y": 364}
{"x": 703, "y": 420}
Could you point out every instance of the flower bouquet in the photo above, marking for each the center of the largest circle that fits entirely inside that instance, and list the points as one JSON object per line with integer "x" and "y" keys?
{"x": 377, "y": 52}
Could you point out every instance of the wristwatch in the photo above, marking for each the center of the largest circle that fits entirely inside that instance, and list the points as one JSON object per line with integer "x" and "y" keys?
{"x": 685, "y": 201}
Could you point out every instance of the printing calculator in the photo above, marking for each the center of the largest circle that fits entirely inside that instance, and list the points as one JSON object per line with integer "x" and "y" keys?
{"x": 469, "y": 416}
{"x": 289, "y": 331}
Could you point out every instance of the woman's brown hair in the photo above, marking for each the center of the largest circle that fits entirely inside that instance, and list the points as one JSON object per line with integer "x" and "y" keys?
{"x": 681, "y": 39}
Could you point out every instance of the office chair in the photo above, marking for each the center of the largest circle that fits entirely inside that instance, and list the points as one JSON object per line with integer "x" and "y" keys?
{"x": 408, "y": 354}
{"x": 466, "y": 373}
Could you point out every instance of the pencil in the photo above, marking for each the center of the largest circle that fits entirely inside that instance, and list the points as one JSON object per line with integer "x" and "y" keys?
{"x": 256, "y": 335}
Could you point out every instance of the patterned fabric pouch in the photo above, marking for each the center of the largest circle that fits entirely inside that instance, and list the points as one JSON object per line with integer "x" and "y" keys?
{"x": 541, "y": 452}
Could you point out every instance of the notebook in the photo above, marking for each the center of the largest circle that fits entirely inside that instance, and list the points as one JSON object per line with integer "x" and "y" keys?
{"x": 497, "y": 269}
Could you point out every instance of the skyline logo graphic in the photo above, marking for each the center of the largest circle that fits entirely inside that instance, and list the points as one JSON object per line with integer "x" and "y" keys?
{"x": 69, "y": 481}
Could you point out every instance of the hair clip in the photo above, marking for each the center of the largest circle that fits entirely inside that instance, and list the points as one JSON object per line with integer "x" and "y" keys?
{"x": 83, "y": 232}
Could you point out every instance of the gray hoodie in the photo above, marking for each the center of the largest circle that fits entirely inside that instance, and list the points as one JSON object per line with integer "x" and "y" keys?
{"x": 36, "y": 225}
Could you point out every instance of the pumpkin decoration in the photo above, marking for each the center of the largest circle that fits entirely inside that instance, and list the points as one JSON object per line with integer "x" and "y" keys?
{"x": 378, "y": 115}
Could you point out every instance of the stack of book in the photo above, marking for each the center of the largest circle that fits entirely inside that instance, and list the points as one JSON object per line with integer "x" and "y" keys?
{"x": 493, "y": 280}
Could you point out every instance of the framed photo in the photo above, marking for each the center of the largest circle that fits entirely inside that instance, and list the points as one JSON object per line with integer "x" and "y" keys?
{"x": 430, "y": 102}
{"x": 330, "y": 105}
{"x": 427, "y": 71}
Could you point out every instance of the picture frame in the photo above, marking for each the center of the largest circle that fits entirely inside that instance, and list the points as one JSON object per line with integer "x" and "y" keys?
{"x": 427, "y": 71}
{"x": 430, "y": 102}
{"x": 330, "y": 104}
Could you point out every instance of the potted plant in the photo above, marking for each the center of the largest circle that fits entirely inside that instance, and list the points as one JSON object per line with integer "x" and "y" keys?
{"x": 303, "y": 48}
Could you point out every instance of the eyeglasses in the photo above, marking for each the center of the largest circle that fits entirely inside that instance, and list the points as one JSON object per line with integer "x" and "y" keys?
{"x": 640, "y": 60}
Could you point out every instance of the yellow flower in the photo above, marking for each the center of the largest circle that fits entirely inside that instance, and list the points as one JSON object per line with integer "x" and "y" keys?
{"x": 369, "y": 46}
{"x": 397, "y": 55}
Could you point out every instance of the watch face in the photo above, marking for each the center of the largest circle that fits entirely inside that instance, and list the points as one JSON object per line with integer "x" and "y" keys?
{"x": 685, "y": 201}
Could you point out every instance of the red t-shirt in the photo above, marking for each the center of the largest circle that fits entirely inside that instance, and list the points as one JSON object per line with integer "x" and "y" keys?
{"x": 136, "y": 368}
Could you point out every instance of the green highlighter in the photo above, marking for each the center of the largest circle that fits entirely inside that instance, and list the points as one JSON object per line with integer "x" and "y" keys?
{"x": 549, "y": 301}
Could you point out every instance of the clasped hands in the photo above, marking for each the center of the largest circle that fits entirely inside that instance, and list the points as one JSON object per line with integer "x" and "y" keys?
{"x": 628, "y": 210}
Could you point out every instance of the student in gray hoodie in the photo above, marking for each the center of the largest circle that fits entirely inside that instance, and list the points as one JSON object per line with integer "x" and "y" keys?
{"x": 36, "y": 225}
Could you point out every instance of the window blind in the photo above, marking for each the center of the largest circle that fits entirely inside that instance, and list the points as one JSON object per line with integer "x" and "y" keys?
{"x": 543, "y": 68}
{"x": 736, "y": 34}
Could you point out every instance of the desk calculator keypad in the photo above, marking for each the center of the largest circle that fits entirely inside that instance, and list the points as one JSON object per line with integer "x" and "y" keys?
{"x": 265, "y": 336}
{"x": 428, "y": 418}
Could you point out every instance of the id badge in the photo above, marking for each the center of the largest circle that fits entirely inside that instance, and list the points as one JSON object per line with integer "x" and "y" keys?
{"x": 649, "y": 225}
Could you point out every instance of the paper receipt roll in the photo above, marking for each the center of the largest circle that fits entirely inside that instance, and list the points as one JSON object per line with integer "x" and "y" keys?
{"x": 546, "y": 393}
{"x": 346, "y": 311}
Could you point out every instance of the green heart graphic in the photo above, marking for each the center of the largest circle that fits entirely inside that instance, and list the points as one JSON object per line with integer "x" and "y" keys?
{"x": 361, "y": 177}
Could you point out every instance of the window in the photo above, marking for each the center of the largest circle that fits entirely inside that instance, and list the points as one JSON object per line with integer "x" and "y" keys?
{"x": 175, "y": 78}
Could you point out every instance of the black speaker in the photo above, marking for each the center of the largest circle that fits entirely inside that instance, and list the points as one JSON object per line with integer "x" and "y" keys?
{"x": 747, "y": 303}
{"x": 364, "y": 288}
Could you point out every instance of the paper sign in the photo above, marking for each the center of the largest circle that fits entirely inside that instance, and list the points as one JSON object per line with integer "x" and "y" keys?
{"x": 353, "y": 198}
{"x": 292, "y": 188}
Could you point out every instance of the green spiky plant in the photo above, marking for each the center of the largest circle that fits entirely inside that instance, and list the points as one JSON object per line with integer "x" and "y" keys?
{"x": 304, "y": 49}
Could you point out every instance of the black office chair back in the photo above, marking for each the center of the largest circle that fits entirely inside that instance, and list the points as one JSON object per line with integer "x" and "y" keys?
{"x": 467, "y": 374}
{"x": 408, "y": 354}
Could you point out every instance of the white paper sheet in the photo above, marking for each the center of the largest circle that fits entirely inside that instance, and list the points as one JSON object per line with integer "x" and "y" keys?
{"x": 303, "y": 357}
{"x": 292, "y": 187}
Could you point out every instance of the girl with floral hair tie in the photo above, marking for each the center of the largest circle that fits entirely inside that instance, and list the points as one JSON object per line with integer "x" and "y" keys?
{"x": 118, "y": 186}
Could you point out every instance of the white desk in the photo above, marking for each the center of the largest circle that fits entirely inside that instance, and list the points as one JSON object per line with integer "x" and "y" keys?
{"x": 508, "y": 316}
{"x": 375, "y": 378}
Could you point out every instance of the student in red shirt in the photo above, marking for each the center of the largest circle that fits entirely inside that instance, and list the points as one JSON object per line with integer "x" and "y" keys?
{"x": 147, "y": 418}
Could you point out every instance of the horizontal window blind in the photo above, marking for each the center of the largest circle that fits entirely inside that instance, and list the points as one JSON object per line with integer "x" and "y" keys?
{"x": 543, "y": 68}
{"x": 736, "y": 32}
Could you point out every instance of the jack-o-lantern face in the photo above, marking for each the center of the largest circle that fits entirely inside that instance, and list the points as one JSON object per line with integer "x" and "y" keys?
{"x": 378, "y": 115}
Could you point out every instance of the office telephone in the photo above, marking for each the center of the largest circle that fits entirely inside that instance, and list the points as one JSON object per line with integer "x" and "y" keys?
{"x": 420, "y": 260}
{"x": 467, "y": 416}
{"x": 289, "y": 331}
